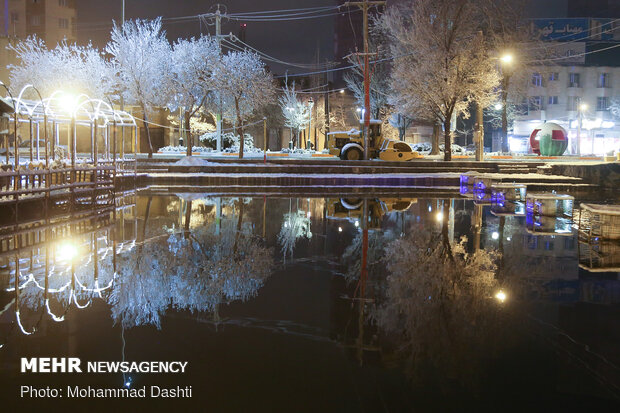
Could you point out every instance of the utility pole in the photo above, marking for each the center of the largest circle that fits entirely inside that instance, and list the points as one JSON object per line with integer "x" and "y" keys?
{"x": 218, "y": 116}
{"x": 364, "y": 5}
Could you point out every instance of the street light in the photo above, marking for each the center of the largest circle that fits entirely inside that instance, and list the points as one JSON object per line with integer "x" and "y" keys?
{"x": 498, "y": 106}
{"x": 506, "y": 58}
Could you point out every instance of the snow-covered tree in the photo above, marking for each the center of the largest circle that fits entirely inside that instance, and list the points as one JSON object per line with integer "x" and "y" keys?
{"x": 296, "y": 113}
{"x": 244, "y": 86}
{"x": 440, "y": 66}
{"x": 189, "y": 77}
{"x": 141, "y": 54}
{"x": 68, "y": 67}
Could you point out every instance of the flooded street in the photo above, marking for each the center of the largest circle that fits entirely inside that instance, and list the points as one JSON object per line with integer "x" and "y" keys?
{"x": 269, "y": 302}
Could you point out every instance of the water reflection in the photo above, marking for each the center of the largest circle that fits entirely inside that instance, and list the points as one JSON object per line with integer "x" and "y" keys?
{"x": 445, "y": 289}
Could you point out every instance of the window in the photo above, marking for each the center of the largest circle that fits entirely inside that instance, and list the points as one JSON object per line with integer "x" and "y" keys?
{"x": 35, "y": 20}
{"x": 602, "y": 103}
{"x": 603, "y": 80}
{"x": 573, "y": 102}
{"x": 553, "y": 100}
{"x": 535, "y": 103}
{"x": 63, "y": 23}
{"x": 573, "y": 80}
{"x": 554, "y": 76}
{"x": 536, "y": 79}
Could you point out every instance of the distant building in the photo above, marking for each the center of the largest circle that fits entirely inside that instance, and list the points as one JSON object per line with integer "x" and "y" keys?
{"x": 51, "y": 20}
{"x": 556, "y": 92}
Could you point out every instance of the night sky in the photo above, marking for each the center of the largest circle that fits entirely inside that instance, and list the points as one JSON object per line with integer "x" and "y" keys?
{"x": 292, "y": 41}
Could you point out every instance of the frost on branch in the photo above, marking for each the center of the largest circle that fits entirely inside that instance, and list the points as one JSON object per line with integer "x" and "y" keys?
{"x": 440, "y": 62}
{"x": 141, "y": 55}
{"x": 68, "y": 67}
{"x": 244, "y": 86}
{"x": 295, "y": 112}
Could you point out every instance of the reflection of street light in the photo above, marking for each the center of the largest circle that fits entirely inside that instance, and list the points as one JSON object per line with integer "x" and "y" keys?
{"x": 495, "y": 235}
{"x": 66, "y": 251}
{"x": 581, "y": 108}
{"x": 501, "y": 296}
{"x": 439, "y": 217}
{"x": 498, "y": 106}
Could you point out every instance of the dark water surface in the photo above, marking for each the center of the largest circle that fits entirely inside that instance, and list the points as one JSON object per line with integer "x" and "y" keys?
{"x": 269, "y": 303}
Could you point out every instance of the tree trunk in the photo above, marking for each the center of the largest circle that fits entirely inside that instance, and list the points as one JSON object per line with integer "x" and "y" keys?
{"x": 239, "y": 128}
{"x": 447, "y": 152}
{"x": 239, "y": 226}
{"x": 435, "y": 140}
{"x": 188, "y": 133}
{"x": 148, "y": 132}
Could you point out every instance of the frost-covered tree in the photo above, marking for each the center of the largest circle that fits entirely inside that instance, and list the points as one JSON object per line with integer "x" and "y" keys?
{"x": 296, "y": 113}
{"x": 189, "y": 78}
{"x": 68, "y": 67}
{"x": 244, "y": 86}
{"x": 440, "y": 65}
{"x": 141, "y": 55}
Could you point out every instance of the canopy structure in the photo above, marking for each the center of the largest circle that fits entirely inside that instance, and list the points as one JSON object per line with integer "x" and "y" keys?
{"x": 45, "y": 115}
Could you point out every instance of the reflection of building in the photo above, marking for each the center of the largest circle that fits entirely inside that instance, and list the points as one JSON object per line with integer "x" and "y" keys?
{"x": 578, "y": 76}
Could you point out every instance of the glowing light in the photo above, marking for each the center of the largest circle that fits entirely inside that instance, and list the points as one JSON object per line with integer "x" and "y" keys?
{"x": 498, "y": 106}
{"x": 506, "y": 59}
{"x": 357, "y": 223}
{"x": 439, "y": 216}
{"x": 309, "y": 214}
{"x": 508, "y": 238}
{"x": 339, "y": 229}
{"x": 501, "y": 296}
{"x": 341, "y": 90}
{"x": 495, "y": 235}
{"x": 359, "y": 109}
{"x": 67, "y": 252}
{"x": 67, "y": 102}
{"x": 583, "y": 106}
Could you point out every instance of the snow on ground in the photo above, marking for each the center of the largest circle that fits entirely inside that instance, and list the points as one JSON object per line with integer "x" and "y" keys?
{"x": 192, "y": 161}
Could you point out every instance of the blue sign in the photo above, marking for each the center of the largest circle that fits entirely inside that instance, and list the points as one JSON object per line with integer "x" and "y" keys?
{"x": 561, "y": 29}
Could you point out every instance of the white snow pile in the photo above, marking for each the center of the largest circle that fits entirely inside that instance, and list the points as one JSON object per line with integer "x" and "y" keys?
{"x": 298, "y": 151}
{"x": 191, "y": 161}
{"x": 424, "y": 148}
{"x": 183, "y": 149}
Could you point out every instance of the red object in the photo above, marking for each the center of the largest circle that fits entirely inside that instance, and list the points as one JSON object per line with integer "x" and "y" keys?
{"x": 558, "y": 135}
{"x": 534, "y": 144}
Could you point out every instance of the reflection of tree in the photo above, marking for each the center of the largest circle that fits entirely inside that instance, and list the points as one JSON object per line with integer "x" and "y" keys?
{"x": 352, "y": 256}
{"x": 438, "y": 306}
{"x": 195, "y": 271}
{"x": 295, "y": 225}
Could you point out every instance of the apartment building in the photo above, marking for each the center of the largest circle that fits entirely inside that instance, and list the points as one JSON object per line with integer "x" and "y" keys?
{"x": 576, "y": 90}
{"x": 51, "y": 20}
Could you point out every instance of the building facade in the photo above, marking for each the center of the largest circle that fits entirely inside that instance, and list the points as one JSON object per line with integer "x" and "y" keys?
{"x": 578, "y": 90}
{"x": 51, "y": 20}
